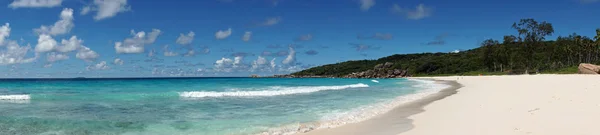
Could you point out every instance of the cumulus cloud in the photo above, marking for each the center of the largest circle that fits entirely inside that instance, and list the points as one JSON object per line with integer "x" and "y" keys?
{"x": 185, "y": 39}
{"x": 222, "y": 34}
{"x": 137, "y": 42}
{"x": 306, "y": 37}
{"x": 35, "y": 3}
{"x": 118, "y": 61}
{"x": 13, "y": 53}
{"x": 223, "y": 64}
{"x": 86, "y": 54}
{"x": 99, "y": 66}
{"x": 262, "y": 65}
{"x": 70, "y": 45}
{"x": 106, "y": 8}
{"x": 4, "y": 33}
{"x": 229, "y": 65}
{"x": 54, "y": 57}
{"x": 365, "y": 5}
{"x": 62, "y": 26}
{"x": 420, "y": 12}
{"x": 247, "y": 36}
{"x": 291, "y": 58}
{"x": 47, "y": 44}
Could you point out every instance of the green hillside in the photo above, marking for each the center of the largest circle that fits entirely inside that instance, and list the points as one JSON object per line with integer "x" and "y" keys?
{"x": 527, "y": 51}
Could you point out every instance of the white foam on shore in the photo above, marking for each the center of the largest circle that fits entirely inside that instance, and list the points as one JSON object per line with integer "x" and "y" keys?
{"x": 273, "y": 91}
{"x": 426, "y": 88}
{"x": 15, "y": 97}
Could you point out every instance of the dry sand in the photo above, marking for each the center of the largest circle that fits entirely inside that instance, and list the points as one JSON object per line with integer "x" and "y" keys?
{"x": 494, "y": 105}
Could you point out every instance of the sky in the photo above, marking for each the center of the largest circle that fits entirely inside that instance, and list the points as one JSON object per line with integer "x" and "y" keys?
{"x": 213, "y": 38}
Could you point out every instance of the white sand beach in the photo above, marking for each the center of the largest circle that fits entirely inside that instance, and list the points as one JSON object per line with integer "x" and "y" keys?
{"x": 495, "y": 105}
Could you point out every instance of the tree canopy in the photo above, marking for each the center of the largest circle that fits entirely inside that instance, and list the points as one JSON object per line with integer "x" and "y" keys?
{"x": 527, "y": 52}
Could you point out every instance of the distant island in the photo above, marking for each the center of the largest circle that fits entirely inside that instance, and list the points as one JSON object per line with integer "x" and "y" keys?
{"x": 525, "y": 53}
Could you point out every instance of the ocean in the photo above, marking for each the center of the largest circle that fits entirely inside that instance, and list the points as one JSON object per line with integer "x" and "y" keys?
{"x": 197, "y": 106}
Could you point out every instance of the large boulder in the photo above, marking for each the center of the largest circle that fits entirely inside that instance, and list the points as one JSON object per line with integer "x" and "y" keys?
{"x": 378, "y": 66}
{"x": 388, "y": 65}
{"x": 585, "y": 68}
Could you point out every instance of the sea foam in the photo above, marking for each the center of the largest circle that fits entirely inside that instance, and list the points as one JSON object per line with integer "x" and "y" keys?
{"x": 426, "y": 88}
{"x": 15, "y": 97}
{"x": 273, "y": 91}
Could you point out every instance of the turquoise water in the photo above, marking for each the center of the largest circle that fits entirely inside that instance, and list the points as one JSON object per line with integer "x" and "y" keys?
{"x": 204, "y": 106}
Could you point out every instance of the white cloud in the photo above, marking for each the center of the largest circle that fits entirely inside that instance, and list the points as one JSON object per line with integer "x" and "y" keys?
{"x": 262, "y": 65}
{"x": 34, "y": 3}
{"x": 247, "y": 36}
{"x": 70, "y": 45}
{"x": 118, "y": 61}
{"x": 271, "y": 21}
{"x": 100, "y": 66}
{"x": 85, "y": 10}
{"x": 15, "y": 54}
{"x": 62, "y": 26}
{"x": 229, "y": 65}
{"x": 273, "y": 63}
{"x": 106, "y": 8}
{"x": 46, "y": 44}
{"x": 137, "y": 42}
{"x": 185, "y": 39}
{"x": 54, "y": 57}
{"x": 291, "y": 58}
{"x": 237, "y": 61}
{"x": 170, "y": 54}
{"x": 86, "y": 54}
{"x": 190, "y": 52}
{"x": 365, "y": 5}
{"x": 4, "y": 33}
{"x": 420, "y": 12}
{"x": 223, "y": 34}
{"x": 223, "y": 64}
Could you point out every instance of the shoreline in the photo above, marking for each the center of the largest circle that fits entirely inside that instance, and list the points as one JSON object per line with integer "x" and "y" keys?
{"x": 394, "y": 121}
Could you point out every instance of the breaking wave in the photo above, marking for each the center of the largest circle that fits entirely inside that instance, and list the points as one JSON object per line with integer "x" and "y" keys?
{"x": 273, "y": 91}
{"x": 425, "y": 87}
{"x": 15, "y": 97}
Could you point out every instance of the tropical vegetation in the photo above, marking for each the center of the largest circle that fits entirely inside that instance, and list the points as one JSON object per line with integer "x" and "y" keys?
{"x": 526, "y": 52}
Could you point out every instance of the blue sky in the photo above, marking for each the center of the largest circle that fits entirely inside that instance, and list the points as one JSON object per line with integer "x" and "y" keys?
{"x": 151, "y": 38}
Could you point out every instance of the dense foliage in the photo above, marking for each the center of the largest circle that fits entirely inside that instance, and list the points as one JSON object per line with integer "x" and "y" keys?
{"x": 526, "y": 52}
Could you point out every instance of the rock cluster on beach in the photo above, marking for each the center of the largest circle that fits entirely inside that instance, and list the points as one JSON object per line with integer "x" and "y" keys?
{"x": 585, "y": 68}
{"x": 384, "y": 70}
{"x": 380, "y": 71}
